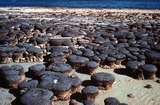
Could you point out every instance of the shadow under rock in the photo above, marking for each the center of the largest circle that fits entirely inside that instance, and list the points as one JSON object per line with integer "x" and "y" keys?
{"x": 77, "y": 96}
{"x": 27, "y": 74}
{"x": 16, "y": 93}
{"x": 83, "y": 70}
{"x": 135, "y": 75}
{"x": 87, "y": 83}
{"x": 4, "y": 85}
{"x": 46, "y": 58}
{"x": 122, "y": 71}
{"x": 46, "y": 64}
{"x": 16, "y": 101}
{"x": 158, "y": 73}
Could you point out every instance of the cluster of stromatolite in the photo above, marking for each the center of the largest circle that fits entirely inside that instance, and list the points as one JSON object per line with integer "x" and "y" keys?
{"x": 75, "y": 41}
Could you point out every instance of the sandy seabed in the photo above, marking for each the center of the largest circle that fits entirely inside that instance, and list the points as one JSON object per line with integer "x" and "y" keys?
{"x": 122, "y": 87}
{"x": 123, "y": 84}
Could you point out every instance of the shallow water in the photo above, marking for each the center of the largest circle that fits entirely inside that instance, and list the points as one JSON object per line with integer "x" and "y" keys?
{"x": 118, "y": 4}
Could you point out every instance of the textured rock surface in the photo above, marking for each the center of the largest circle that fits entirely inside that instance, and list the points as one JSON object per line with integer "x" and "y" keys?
{"x": 37, "y": 96}
{"x": 55, "y": 35}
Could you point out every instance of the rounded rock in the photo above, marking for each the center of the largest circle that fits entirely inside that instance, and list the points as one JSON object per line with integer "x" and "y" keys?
{"x": 89, "y": 102}
{"x": 57, "y": 60}
{"x": 28, "y": 84}
{"x": 73, "y": 102}
{"x": 60, "y": 67}
{"x": 77, "y": 61}
{"x": 110, "y": 61}
{"x": 37, "y": 96}
{"x": 76, "y": 83}
{"x": 36, "y": 69}
{"x": 132, "y": 66}
{"x": 59, "y": 83}
{"x": 3, "y": 32}
{"x": 69, "y": 33}
{"x": 149, "y": 71}
{"x": 103, "y": 80}
{"x": 24, "y": 86}
{"x": 12, "y": 75}
{"x": 78, "y": 52}
{"x": 111, "y": 101}
{"x": 97, "y": 59}
{"x": 90, "y": 92}
{"x": 92, "y": 67}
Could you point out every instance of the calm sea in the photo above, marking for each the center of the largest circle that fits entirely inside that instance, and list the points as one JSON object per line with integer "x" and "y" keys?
{"x": 117, "y": 4}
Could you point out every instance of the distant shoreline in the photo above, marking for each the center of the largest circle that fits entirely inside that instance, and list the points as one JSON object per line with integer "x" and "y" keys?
{"x": 64, "y": 9}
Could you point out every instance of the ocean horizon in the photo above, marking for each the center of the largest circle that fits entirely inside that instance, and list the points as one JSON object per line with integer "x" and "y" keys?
{"x": 113, "y": 4}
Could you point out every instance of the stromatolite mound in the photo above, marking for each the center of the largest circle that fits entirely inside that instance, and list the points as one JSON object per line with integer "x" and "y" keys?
{"x": 103, "y": 57}
{"x": 41, "y": 27}
{"x": 132, "y": 68}
{"x": 27, "y": 28}
{"x": 111, "y": 61}
{"x": 90, "y": 92}
{"x": 111, "y": 101}
{"x": 69, "y": 33}
{"x": 141, "y": 34}
{"x": 20, "y": 35}
{"x": 12, "y": 76}
{"x": 57, "y": 60}
{"x": 77, "y": 61}
{"x": 141, "y": 58}
{"x": 78, "y": 52}
{"x": 8, "y": 40}
{"x": 3, "y": 32}
{"x": 59, "y": 83}
{"x": 37, "y": 96}
{"x": 60, "y": 41}
{"x": 24, "y": 86}
{"x": 152, "y": 57}
{"x": 97, "y": 59}
{"x": 35, "y": 52}
{"x": 42, "y": 40}
{"x": 89, "y": 102}
{"x": 55, "y": 42}
{"x": 60, "y": 67}
{"x": 20, "y": 70}
{"x": 88, "y": 53}
{"x": 92, "y": 67}
{"x": 149, "y": 71}
{"x": 6, "y": 53}
{"x": 59, "y": 51}
{"x": 36, "y": 69}
{"x": 18, "y": 55}
{"x": 75, "y": 83}
{"x": 73, "y": 102}
{"x": 103, "y": 80}
{"x": 157, "y": 47}
{"x": 119, "y": 58}
{"x": 28, "y": 53}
